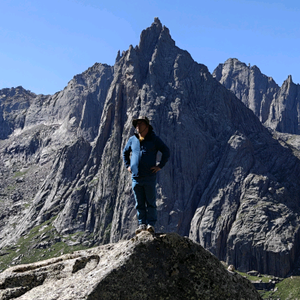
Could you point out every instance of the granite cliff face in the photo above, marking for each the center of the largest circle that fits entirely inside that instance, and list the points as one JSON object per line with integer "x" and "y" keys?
{"x": 278, "y": 108}
{"x": 228, "y": 185}
{"x": 14, "y": 104}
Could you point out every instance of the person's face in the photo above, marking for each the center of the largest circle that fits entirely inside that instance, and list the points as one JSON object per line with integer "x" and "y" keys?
{"x": 141, "y": 126}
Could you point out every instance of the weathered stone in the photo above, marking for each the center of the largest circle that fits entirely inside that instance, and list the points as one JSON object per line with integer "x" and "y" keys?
{"x": 163, "y": 266}
{"x": 277, "y": 108}
{"x": 253, "y": 273}
{"x": 284, "y": 113}
{"x": 14, "y": 104}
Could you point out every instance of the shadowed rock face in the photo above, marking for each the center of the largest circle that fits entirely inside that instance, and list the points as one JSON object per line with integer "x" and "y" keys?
{"x": 277, "y": 107}
{"x": 146, "y": 267}
{"x": 14, "y": 103}
{"x": 228, "y": 184}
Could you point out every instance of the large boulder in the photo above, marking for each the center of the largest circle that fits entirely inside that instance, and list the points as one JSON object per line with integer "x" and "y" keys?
{"x": 161, "y": 266}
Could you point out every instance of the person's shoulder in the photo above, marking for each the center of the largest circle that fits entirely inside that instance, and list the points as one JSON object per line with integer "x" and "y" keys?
{"x": 155, "y": 138}
{"x": 151, "y": 136}
{"x": 134, "y": 136}
{"x": 152, "y": 133}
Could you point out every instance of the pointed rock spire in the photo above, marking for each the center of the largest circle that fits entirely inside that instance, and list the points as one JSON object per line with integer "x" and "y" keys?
{"x": 150, "y": 36}
{"x": 118, "y": 57}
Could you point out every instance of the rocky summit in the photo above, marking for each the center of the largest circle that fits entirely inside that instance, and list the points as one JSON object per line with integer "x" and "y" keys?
{"x": 278, "y": 108}
{"x": 229, "y": 185}
{"x": 163, "y": 266}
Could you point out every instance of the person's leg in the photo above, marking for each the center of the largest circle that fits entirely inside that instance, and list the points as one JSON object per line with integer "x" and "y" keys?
{"x": 140, "y": 201}
{"x": 150, "y": 192}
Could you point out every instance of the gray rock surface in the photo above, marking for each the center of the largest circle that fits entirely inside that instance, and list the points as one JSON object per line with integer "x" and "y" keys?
{"x": 14, "y": 103}
{"x": 164, "y": 266}
{"x": 284, "y": 115}
{"x": 278, "y": 108}
{"x": 51, "y": 127}
{"x": 229, "y": 184}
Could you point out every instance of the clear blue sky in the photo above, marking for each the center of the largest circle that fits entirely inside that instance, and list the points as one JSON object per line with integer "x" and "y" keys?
{"x": 45, "y": 43}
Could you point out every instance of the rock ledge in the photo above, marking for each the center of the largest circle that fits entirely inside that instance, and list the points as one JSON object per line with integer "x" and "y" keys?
{"x": 160, "y": 266}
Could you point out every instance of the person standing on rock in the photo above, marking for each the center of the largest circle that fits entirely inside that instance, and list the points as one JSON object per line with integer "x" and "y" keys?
{"x": 143, "y": 147}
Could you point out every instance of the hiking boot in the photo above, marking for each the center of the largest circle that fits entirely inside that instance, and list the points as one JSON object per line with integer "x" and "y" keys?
{"x": 150, "y": 228}
{"x": 141, "y": 228}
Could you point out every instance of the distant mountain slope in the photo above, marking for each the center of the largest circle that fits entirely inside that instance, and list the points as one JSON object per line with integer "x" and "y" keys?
{"x": 14, "y": 103}
{"x": 229, "y": 184}
{"x": 277, "y": 107}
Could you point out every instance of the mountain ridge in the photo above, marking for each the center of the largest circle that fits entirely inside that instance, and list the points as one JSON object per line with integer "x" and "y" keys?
{"x": 229, "y": 185}
{"x": 276, "y": 107}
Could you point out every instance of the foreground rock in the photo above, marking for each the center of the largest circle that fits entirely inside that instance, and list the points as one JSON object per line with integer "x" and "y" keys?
{"x": 164, "y": 266}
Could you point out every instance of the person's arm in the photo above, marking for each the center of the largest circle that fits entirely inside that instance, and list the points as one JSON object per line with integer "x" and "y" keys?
{"x": 126, "y": 154}
{"x": 163, "y": 148}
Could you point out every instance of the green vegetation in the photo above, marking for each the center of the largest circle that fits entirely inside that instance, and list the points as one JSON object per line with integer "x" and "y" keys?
{"x": 26, "y": 205}
{"x": 286, "y": 289}
{"x": 263, "y": 278}
{"x": 107, "y": 233}
{"x": 19, "y": 174}
{"x": 42, "y": 242}
{"x": 11, "y": 188}
{"x": 93, "y": 183}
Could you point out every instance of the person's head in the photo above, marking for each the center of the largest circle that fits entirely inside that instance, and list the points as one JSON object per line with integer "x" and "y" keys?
{"x": 142, "y": 125}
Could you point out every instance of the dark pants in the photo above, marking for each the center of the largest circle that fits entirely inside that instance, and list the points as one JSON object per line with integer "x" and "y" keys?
{"x": 144, "y": 190}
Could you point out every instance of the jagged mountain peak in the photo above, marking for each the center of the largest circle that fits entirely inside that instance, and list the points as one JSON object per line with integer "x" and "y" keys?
{"x": 276, "y": 107}
{"x": 235, "y": 66}
{"x": 224, "y": 165}
{"x": 19, "y": 90}
{"x": 253, "y": 88}
{"x": 154, "y": 39}
{"x": 156, "y": 32}
{"x": 289, "y": 79}
{"x": 156, "y": 60}
{"x": 14, "y": 103}
{"x": 91, "y": 74}
{"x": 150, "y": 35}
{"x": 157, "y": 21}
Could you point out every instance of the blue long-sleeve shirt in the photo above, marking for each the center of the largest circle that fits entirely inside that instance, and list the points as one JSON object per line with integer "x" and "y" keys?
{"x": 144, "y": 153}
